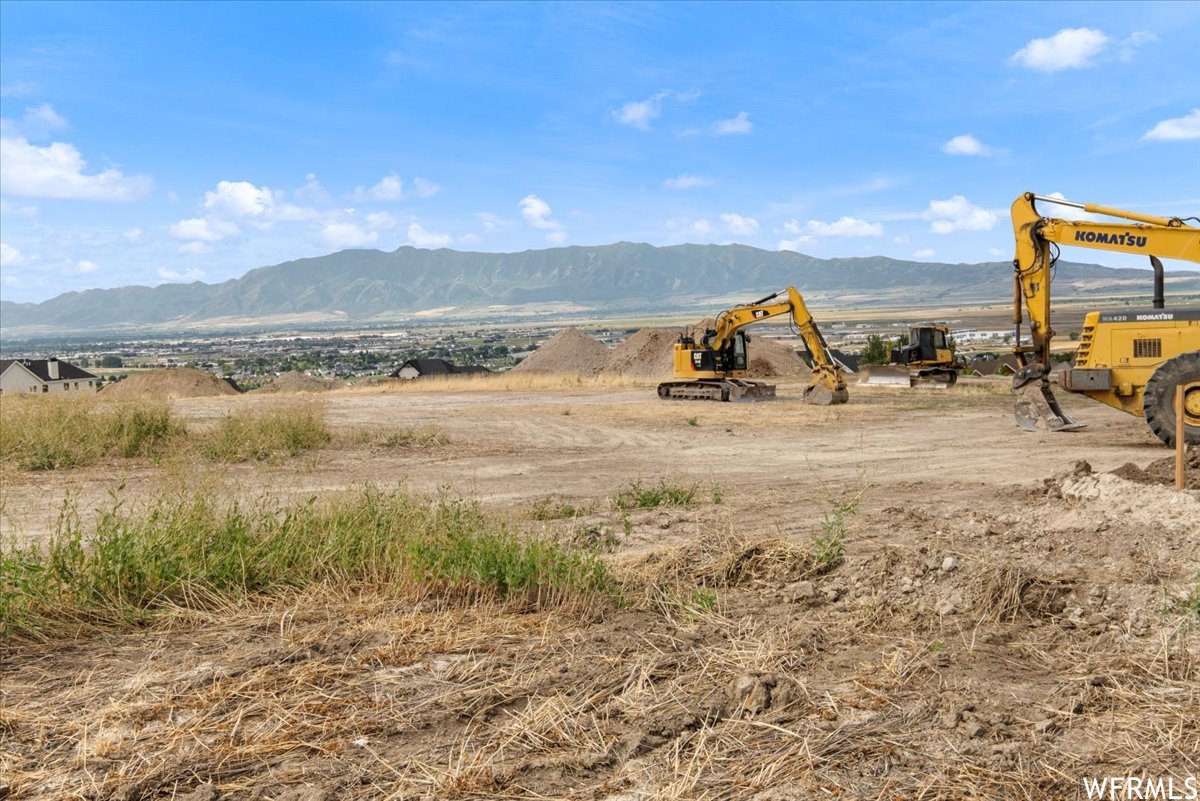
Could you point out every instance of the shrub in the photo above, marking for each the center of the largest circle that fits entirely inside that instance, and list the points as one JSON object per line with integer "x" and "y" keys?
{"x": 635, "y": 495}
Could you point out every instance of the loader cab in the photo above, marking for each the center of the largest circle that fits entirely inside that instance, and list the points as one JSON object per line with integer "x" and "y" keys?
{"x": 924, "y": 344}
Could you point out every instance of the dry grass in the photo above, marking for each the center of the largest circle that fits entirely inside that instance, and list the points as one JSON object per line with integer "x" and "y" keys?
{"x": 498, "y": 382}
{"x": 373, "y": 696}
{"x": 62, "y": 432}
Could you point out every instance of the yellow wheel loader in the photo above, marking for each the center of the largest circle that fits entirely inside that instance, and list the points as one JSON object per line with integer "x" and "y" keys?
{"x": 926, "y": 361}
{"x": 715, "y": 367}
{"x": 1131, "y": 359}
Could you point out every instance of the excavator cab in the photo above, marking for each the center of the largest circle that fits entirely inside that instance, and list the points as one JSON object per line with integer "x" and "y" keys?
{"x": 728, "y": 359}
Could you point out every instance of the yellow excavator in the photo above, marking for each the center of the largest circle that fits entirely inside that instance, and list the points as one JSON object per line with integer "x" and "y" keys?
{"x": 1131, "y": 359}
{"x": 926, "y": 361}
{"x": 715, "y": 367}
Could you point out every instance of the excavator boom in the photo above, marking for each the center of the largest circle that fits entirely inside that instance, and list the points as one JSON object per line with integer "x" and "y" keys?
{"x": 715, "y": 367}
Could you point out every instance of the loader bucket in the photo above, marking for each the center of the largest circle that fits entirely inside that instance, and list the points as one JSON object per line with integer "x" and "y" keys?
{"x": 882, "y": 376}
{"x": 1037, "y": 409}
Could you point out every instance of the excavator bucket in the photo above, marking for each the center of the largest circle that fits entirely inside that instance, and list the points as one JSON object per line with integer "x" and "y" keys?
{"x": 1037, "y": 409}
{"x": 883, "y": 376}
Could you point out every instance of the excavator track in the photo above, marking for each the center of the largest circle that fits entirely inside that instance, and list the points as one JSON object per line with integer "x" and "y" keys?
{"x": 732, "y": 391}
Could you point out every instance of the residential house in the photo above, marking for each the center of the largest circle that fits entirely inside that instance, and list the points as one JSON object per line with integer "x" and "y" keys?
{"x": 418, "y": 368}
{"x": 44, "y": 376}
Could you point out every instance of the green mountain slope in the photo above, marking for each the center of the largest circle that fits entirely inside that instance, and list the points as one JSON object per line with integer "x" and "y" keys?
{"x": 371, "y": 284}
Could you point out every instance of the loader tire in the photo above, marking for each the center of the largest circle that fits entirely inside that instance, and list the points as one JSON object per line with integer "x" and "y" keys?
{"x": 1158, "y": 399}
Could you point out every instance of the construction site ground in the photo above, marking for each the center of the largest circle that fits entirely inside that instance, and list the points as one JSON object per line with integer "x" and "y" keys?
{"x": 1009, "y": 618}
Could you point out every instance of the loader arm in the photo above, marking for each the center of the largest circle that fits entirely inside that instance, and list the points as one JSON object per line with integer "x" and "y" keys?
{"x": 1033, "y": 268}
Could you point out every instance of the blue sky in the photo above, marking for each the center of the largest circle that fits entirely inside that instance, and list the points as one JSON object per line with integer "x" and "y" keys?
{"x": 153, "y": 142}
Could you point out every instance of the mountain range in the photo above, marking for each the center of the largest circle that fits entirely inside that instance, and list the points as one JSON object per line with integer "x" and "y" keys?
{"x": 372, "y": 285}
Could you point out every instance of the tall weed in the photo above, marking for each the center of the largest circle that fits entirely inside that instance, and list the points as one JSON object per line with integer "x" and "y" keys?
{"x": 56, "y": 433}
{"x": 188, "y": 547}
{"x": 256, "y": 435}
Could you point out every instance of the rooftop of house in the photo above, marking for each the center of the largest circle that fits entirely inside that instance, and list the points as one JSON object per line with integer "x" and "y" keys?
{"x": 41, "y": 369}
{"x": 438, "y": 367}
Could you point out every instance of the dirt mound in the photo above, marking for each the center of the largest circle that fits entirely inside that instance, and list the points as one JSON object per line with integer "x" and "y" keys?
{"x": 650, "y": 353}
{"x": 296, "y": 381}
{"x": 170, "y": 382}
{"x": 1162, "y": 471}
{"x": 770, "y": 358}
{"x": 568, "y": 351}
{"x": 647, "y": 354}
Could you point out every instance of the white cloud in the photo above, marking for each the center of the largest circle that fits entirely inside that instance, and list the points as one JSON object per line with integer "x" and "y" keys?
{"x": 958, "y": 214}
{"x": 968, "y": 145}
{"x": 133, "y": 235}
{"x": 738, "y": 125}
{"x": 900, "y": 240}
{"x": 7, "y": 208}
{"x": 390, "y": 187}
{"x": 739, "y": 225}
{"x": 537, "y": 213}
{"x": 44, "y": 117}
{"x": 843, "y": 226}
{"x": 418, "y": 237}
{"x": 995, "y": 252}
{"x": 923, "y": 253}
{"x": 85, "y": 266}
{"x": 312, "y": 191}
{"x": 1127, "y": 49}
{"x": 470, "y": 239}
{"x": 57, "y": 171}
{"x": 792, "y": 244}
{"x": 195, "y": 248}
{"x": 699, "y": 227}
{"x": 687, "y": 181}
{"x": 557, "y": 237}
{"x": 204, "y": 229}
{"x": 36, "y": 122}
{"x": 639, "y": 113}
{"x": 425, "y": 188}
{"x": 381, "y": 221}
{"x": 10, "y": 256}
{"x": 1070, "y": 48}
{"x": 347, "y": 235}
{"x": 492, "y": 222}
{"x": 1068, "y": 212}
{"x": 1176, "y": 129}
{"x": 241, "y": 199}
{"x": 194, "y": 274}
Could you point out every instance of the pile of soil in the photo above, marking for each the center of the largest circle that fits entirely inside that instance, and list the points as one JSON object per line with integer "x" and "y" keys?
{"x": 568, "y": 351}
{"x": 170, "y": 383}
{"x": 770, "y": 358}
{"x": 647, "y": 354}
{"x": 650, "y": 353}
{"x": 1162, "y": 471}
{"x": 296, "y": 381}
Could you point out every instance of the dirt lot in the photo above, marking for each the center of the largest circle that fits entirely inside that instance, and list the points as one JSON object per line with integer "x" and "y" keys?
{"x": 1004, "y": 623}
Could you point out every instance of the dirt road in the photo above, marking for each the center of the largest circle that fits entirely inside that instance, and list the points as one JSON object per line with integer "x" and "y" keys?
{"x": 516, "y": 447}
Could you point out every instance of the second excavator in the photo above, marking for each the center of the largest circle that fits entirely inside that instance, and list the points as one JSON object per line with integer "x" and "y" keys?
{"x": 715, "y": 367}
